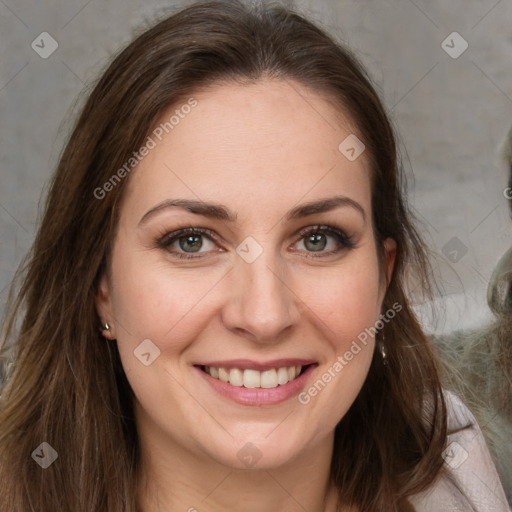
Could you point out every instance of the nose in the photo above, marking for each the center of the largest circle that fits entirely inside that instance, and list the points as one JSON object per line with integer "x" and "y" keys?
{"x": 261, "y": 302}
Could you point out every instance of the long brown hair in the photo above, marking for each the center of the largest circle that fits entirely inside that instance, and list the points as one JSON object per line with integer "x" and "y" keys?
{"x": 67, "y": 386}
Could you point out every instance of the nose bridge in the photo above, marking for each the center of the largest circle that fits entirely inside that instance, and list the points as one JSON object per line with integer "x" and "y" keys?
{"x": 261, "y": 302}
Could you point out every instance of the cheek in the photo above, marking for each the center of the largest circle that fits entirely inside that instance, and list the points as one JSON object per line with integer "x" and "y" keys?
{"x": 168, "y": 307}
{"x": 154, "y": 301}
{"x": 347, "y": 300}
{"x": 346, "y": 305}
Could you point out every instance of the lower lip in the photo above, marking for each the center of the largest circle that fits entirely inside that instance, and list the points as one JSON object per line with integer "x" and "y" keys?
{"x": 259, "y": 396}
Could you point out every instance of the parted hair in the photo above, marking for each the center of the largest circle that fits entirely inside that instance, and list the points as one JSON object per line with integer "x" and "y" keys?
{"x": 67, "y": 386}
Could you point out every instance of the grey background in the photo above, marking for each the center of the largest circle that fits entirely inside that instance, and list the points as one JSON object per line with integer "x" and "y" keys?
{"x": 451, "y": 113}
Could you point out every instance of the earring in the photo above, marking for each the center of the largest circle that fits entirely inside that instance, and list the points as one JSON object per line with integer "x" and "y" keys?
{"x": 106, "y": 327}
{"x": 384, "y": 353}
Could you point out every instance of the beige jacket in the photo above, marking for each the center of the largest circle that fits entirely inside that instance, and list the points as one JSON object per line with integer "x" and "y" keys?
{"x": 469, "y": 481}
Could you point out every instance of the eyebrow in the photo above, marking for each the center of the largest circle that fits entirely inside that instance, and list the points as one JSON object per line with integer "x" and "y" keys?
{"x": 221, "y": 212}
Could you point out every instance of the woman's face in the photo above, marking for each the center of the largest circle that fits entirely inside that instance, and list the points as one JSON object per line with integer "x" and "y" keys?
{"x": 284, "y": 275}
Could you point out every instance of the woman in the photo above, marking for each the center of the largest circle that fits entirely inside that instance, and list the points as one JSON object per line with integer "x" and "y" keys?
{"x": 215, "y": 315}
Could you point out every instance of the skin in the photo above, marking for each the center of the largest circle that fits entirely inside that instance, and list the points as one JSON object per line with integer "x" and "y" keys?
{"x": 260, "y": 150}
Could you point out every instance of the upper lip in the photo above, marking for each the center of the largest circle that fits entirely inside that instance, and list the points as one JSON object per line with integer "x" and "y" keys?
{"x": 248, "y": 364}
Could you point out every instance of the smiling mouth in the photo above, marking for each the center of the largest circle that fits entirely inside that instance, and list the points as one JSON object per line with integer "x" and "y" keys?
{"x": 251, "y": 379}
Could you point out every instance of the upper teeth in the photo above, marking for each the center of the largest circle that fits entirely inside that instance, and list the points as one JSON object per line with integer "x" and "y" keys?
{"x": 254, "y": 378}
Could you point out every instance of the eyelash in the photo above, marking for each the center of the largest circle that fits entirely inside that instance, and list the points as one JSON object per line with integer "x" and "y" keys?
{"x": 344, "y": 241}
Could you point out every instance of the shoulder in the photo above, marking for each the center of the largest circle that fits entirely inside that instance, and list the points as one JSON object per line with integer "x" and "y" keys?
{"x": 468, "y": 480}
{"x": 459, "y": 415}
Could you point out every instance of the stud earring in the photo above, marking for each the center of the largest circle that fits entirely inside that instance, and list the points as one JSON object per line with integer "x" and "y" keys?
{"x": 106, "y": 327}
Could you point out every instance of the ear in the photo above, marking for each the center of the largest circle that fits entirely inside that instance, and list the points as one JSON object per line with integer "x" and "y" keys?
{"x": 104, "y": 308}
{"x": 389, "y": 258}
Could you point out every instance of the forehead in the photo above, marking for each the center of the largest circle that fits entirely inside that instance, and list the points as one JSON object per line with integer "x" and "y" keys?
{"x": 273, "y": 141}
